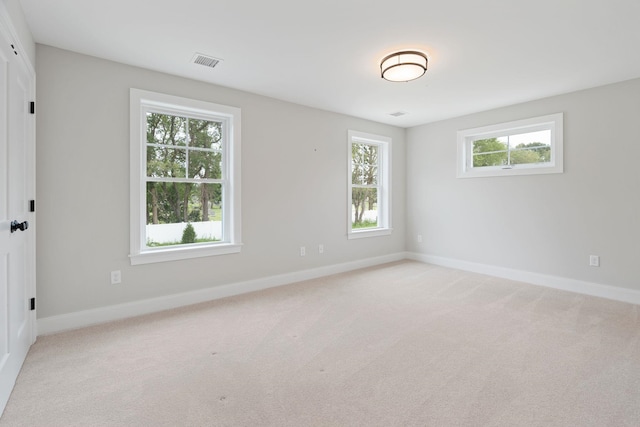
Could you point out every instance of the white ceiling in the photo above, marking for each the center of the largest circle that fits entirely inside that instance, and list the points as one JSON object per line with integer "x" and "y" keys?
{"x": 325, "y": 54}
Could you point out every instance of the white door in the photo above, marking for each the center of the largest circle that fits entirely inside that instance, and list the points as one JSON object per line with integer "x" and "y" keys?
{"x": 17, "y": 242}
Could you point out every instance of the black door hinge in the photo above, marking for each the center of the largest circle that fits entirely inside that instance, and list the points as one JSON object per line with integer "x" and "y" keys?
{"x": 32, "y": 107}
{"x": 33, "y": 304}
{"x": 32, "y": 205}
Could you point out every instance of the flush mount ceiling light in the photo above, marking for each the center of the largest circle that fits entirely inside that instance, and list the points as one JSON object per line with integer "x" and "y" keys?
{"x": 403, "y": 66}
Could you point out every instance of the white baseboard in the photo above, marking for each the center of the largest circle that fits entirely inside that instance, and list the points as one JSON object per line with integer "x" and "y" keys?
{"x": 79, "y": 319}
{"x": 581, "y": 287}
{"x": 64, "y": 322}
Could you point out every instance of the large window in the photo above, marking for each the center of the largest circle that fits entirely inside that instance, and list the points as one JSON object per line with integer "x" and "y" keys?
{"x": 369, "y": 185}
{"x": 530, "y": 146}
{"x": 185, "y": 169}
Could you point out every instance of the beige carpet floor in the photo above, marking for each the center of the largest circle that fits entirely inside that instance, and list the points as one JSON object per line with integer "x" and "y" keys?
{"x": 404, "y": 344}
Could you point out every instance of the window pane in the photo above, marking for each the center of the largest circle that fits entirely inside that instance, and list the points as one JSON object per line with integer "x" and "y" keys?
{"x": 205, "y": 134}
{"x": 540, "y": 138}
{"x": 371, "y": 153}
{"x": 205, "y": 164}
{"x": 364, "y": 164}
{"x": 531, "y": 147}
{"x": 357, "y": 173}
{"x": 490, "y": 145}
{"x": 166, "y": 129}
{"x": 357, "y": 163}
{"x": 166, "y": 162}
{"x": 364, "y": 208}
{"x": 364, "y": 174}
{"x": 171, "y": 206}
{"x": 530, "y": 155}
{"x": 490, "y": 152}
{"x": 371, "y": 175}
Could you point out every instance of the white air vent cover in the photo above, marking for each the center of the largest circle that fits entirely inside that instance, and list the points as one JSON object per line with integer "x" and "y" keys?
{"x": 207, "y": 61}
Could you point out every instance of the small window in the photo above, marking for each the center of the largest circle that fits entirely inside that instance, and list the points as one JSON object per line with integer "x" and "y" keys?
{"x": 531, "y": 146}
{"x": 369, "y": 184}
{"x": 185, "y": 187}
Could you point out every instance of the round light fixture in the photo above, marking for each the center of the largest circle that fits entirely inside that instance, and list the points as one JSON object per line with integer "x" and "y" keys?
{"x": 403, "y": 66}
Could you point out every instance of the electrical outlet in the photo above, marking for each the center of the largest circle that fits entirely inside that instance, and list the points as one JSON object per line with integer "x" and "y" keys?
{"x": 594, "y": 260}
{"x": 303, "y": 251}
{"x": 116, "y": 277}
{"x": 419, "y": 238}
{"x": 320, "y": 249}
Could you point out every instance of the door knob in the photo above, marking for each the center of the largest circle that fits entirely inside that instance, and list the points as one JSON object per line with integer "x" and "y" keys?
{"x": 15, "y": 226}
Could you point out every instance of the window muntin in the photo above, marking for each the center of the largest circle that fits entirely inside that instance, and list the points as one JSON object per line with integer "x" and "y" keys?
{"x": 185, "y": 178}
{"x": 369, "y": 196}
{"x": 528, "y": 146}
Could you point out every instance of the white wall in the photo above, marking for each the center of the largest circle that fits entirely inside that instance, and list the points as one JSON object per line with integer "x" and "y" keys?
{"x": 547, "y": 224}
{"x": 293, "y": 187}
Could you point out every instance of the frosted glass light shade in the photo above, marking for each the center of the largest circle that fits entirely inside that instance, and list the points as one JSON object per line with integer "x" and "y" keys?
{"x": 403, "y": 66}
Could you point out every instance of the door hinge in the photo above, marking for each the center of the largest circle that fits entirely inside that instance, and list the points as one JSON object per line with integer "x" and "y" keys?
{"x": 32, "y": 107}
{"x": 33, "y": 304}
{"x": 32, "y": 205}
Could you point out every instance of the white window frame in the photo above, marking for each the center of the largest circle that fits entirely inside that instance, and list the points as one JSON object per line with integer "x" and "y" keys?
{"x": 142, "y": 101}
{"x": 466, "y": 138}
{"x": 384, "y": 184}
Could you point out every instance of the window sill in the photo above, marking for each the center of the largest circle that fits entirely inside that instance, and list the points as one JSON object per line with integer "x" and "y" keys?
{"x": 374, "y": 232}
{"x": 536, "y": 169}
{"x": 180, "y": 253}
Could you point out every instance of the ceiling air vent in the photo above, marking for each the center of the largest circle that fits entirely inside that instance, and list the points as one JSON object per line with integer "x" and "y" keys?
{"x": 207, "y": 61}
{"x": 397, "y": 114}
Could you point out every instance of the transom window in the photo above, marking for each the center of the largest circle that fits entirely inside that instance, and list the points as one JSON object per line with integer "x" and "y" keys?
{"x": 185, "y": 186}
{"x": 528, "y": 146}
{"x": 369, "y": 183}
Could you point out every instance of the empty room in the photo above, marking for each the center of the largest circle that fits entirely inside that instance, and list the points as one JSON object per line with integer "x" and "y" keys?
{"x": 340, "y": 213}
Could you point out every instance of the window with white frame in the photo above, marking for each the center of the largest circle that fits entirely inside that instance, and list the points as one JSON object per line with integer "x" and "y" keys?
{"x": 369, "y": 185}
{"x": 523, "y": 147}
{"x": 185, "y": 178}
